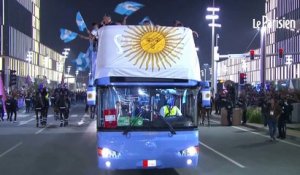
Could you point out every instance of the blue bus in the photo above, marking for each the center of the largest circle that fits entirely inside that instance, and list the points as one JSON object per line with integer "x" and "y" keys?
{"x": 147, "y": 80}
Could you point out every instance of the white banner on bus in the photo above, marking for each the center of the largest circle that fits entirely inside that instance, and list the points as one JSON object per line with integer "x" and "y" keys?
{"x": 147, "y": 51}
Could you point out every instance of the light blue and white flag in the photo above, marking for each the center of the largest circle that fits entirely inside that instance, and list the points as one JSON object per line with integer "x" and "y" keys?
{"x": 67, "y": 35}
{"x": 91, "y": 95}
{"x": 80, "y": 22}
{"x": 206, "y": 96}
{"x": 127, "y": 8}
{"x": 81, "y": 62}
{"x": 146, "y": 19}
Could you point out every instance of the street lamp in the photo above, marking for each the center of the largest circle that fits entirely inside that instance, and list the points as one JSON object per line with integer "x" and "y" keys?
{"x": 213, "y": 17}
{"x": 29, "y": 59}
{"x": 205, "y": 66}
{"x": 76, "y": 74}
{"x": 288, "y": 62}
{"x": 65, "y": 54}
{"x": 68, "y": 70}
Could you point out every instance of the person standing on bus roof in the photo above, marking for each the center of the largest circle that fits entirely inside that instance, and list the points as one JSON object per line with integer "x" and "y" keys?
{"x": 170, "y": 110}
{"x": 106, "y": 21}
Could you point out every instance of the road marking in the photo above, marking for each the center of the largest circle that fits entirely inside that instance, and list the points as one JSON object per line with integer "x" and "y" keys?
{"x": 262, "y": 135}
{"x": 222, "y": 155}
{"x": 23, "y": 115}
{"x": 41, "y": 130}
{"x": 214, "y": 121}
{"x": 256, "y": 133}
{"x": 11, "y": 149}
{"x": 25, "y": 122}
{"x": 74, "y": 115}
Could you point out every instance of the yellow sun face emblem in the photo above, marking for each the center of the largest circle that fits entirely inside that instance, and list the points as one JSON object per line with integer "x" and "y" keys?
{"x": 153, "y": 42}
{"x": 90, "y": 96}
{"x": 207, "y": 95}
{"x": 152, "y": 47}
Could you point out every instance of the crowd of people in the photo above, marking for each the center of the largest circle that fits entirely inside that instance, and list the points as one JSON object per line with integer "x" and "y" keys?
{"x": 39, "y": 100}
{"x": 276, "y": 106}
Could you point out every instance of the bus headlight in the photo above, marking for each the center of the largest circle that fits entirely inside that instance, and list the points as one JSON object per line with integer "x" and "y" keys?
{"x": 107, "y": 153}
{"x": 191, "y": 151}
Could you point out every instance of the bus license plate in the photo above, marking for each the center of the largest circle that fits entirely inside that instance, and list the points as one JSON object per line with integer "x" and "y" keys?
{"x": 149, "y": 163}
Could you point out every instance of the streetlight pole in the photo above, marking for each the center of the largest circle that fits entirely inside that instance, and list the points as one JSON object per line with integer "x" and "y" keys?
{"x": 213, "y": 17}
{"x": 68, "y": 70}
{"x": 65, "y": 54}
{"x": 76, "y": 74}
{"x": 263, "y": 57}
{"x": 288, "y": 62}
{"x": 29, "y": 59}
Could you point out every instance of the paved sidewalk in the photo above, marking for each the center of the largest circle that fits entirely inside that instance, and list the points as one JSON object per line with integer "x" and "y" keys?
{"x": 292, "y": 129}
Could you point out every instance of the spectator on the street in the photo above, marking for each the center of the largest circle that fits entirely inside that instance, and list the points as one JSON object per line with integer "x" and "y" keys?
{"x": 45, "y": 98}
{"x": 290, "y": 109}
{"x": 14, "y": 109}
{"x": 274, "y": 111}
{"x": 217, "y": 104}
{"x": 243, "y": 105}
{"x": 8, "y": 105}
{"x": 229, "y": 107}
{"x": 28, "y": 103}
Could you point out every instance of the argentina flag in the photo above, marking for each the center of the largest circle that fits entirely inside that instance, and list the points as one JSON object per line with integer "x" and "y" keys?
{"x": 127, "y": 8}
{"x": 80, "y": 22}
{"x": 146, "y": 19}
{"x": 81, "y": 62}
{"x": 206, "y": 95}
{"x": 67, "y": 35}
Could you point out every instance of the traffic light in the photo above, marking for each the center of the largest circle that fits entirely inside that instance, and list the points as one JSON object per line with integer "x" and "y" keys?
{"x": 252, "y": 54}
{"x": 12, "y": 78}
{"x": 280, "y": 54}
{"x": 243, "y": 78}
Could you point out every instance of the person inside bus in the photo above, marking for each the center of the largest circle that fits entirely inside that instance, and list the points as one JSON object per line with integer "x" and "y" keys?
{"x": 118, "y": 109}
{"x": 170, "y": 109}
{"x": 146, "y": 112}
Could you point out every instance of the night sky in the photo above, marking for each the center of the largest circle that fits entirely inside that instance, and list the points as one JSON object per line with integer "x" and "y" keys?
{"x": 235, "y": 16}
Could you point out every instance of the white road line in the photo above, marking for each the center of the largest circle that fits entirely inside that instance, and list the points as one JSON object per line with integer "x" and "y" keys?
{"x": 214, "y": 121}
{"x": 222, "y": 155}
{"x": 74, "y": 115}
{"x": 39, "y": 131}
{"x": 25, "y": 122}
{"x": 262, "y": 135}
{"x": 256, "y": 133}
{"x": 11, "y": 149}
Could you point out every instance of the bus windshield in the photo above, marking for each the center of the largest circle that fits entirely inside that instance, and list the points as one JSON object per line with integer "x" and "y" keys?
{"x": 147, "y": 108}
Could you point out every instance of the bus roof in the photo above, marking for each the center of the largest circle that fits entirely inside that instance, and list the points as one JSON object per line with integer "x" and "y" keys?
{"x": 147, "y": 52}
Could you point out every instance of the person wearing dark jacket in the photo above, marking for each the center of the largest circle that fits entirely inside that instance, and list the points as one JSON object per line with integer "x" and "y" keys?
{"x": 8, "y": 105}
{"x": 11, "y": 108}
{"x": 39, "y": 106}
{"x": 45, "y": 98}
{"x": 27, "y": 103}
{"x": 229, "y": 107}
{"x": 273, "y": 112}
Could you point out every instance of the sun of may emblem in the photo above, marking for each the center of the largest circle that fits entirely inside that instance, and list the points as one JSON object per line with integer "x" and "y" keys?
{"x": 153, "y": 47}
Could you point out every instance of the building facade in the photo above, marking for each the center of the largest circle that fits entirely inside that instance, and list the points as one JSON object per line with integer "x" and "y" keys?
{"x": 276, "y": 69}
{"x": 21, "y": 49}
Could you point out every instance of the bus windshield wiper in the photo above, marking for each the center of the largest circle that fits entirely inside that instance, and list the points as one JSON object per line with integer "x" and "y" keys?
{"x": 171, "y": 129}
{"x": 129, "y": 128}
